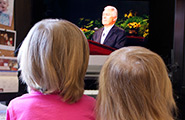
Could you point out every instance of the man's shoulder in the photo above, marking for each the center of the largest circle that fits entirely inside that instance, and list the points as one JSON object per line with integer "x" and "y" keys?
{"x": 98, "y": 32}
{"x": 99, "y": 29}
{"x": 118, "y": 28}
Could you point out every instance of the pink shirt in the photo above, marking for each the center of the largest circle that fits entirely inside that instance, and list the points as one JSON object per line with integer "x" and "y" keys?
{"x": 36, "y": 106}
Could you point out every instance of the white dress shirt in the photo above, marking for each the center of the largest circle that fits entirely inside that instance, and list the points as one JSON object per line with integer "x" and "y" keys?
{"x": 105, "y": 33}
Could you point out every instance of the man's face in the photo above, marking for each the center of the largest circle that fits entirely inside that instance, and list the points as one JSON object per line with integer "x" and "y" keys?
{"x": 108, "y": 18}
{"x": 3, "y": 5}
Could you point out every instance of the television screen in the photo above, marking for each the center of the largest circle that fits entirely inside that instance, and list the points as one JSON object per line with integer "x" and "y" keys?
{"x": 133, "y": 17}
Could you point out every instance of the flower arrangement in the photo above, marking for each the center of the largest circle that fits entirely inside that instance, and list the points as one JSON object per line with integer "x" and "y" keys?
{"x": 89, "y": 26}
{"x": 88, "y": 33}
{"x": 136, "y": 25}
{"x": 131, "y": 23}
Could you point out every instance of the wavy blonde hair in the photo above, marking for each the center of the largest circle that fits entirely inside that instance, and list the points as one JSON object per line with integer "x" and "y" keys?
{"x": 134, "y": 85}
{"x": 54, "y": 58}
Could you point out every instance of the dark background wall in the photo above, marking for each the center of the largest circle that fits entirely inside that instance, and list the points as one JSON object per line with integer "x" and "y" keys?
{"x": 178, "y": 60}
{"x": 22, "y": 18}
{"x": 73, "y": 9}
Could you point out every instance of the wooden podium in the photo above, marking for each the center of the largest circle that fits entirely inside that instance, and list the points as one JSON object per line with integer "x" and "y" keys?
{"x": 99, "y": 49}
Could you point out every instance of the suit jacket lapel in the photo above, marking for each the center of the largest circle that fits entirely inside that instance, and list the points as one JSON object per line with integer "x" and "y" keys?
{"x": 99, "y": 36}
{"x": 109, "y": 34}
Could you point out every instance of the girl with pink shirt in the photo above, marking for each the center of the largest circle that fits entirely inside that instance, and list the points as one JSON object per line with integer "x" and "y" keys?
{"x": 53, "y": 61}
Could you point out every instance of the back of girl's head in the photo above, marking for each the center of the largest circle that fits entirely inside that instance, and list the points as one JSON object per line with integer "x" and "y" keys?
{"x": 54, "y": 58}
{"x": 134, "y": 85}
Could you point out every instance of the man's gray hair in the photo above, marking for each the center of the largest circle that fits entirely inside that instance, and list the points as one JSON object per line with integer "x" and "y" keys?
{"x": 113, "y": 9}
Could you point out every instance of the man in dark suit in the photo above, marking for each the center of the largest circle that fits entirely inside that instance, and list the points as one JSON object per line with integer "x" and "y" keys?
{"x": 110, "y": 34}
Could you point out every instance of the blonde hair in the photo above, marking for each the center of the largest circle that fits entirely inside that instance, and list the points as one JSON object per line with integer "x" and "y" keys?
{"x": 54, "y": 58}
{"x": 134, "y": 85}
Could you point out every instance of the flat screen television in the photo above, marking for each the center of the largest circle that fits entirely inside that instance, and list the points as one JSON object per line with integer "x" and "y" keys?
{"x": 160, "y": 19}
{"x": 161, "y": 24}
{"x": 87, "y": 15}
{"x": 159, "y": 15}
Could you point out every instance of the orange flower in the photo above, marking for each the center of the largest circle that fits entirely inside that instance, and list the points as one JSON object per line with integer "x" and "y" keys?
{"x": 84, "y": 29}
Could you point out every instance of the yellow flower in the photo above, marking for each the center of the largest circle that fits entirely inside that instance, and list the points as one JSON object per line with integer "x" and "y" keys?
{"x": 129, "y": 15}
{"x": 134, "y": 25}
{"x": 84, "y": 29}
{"x": 145, "y": 34}
{"x": 147, "y": 30}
